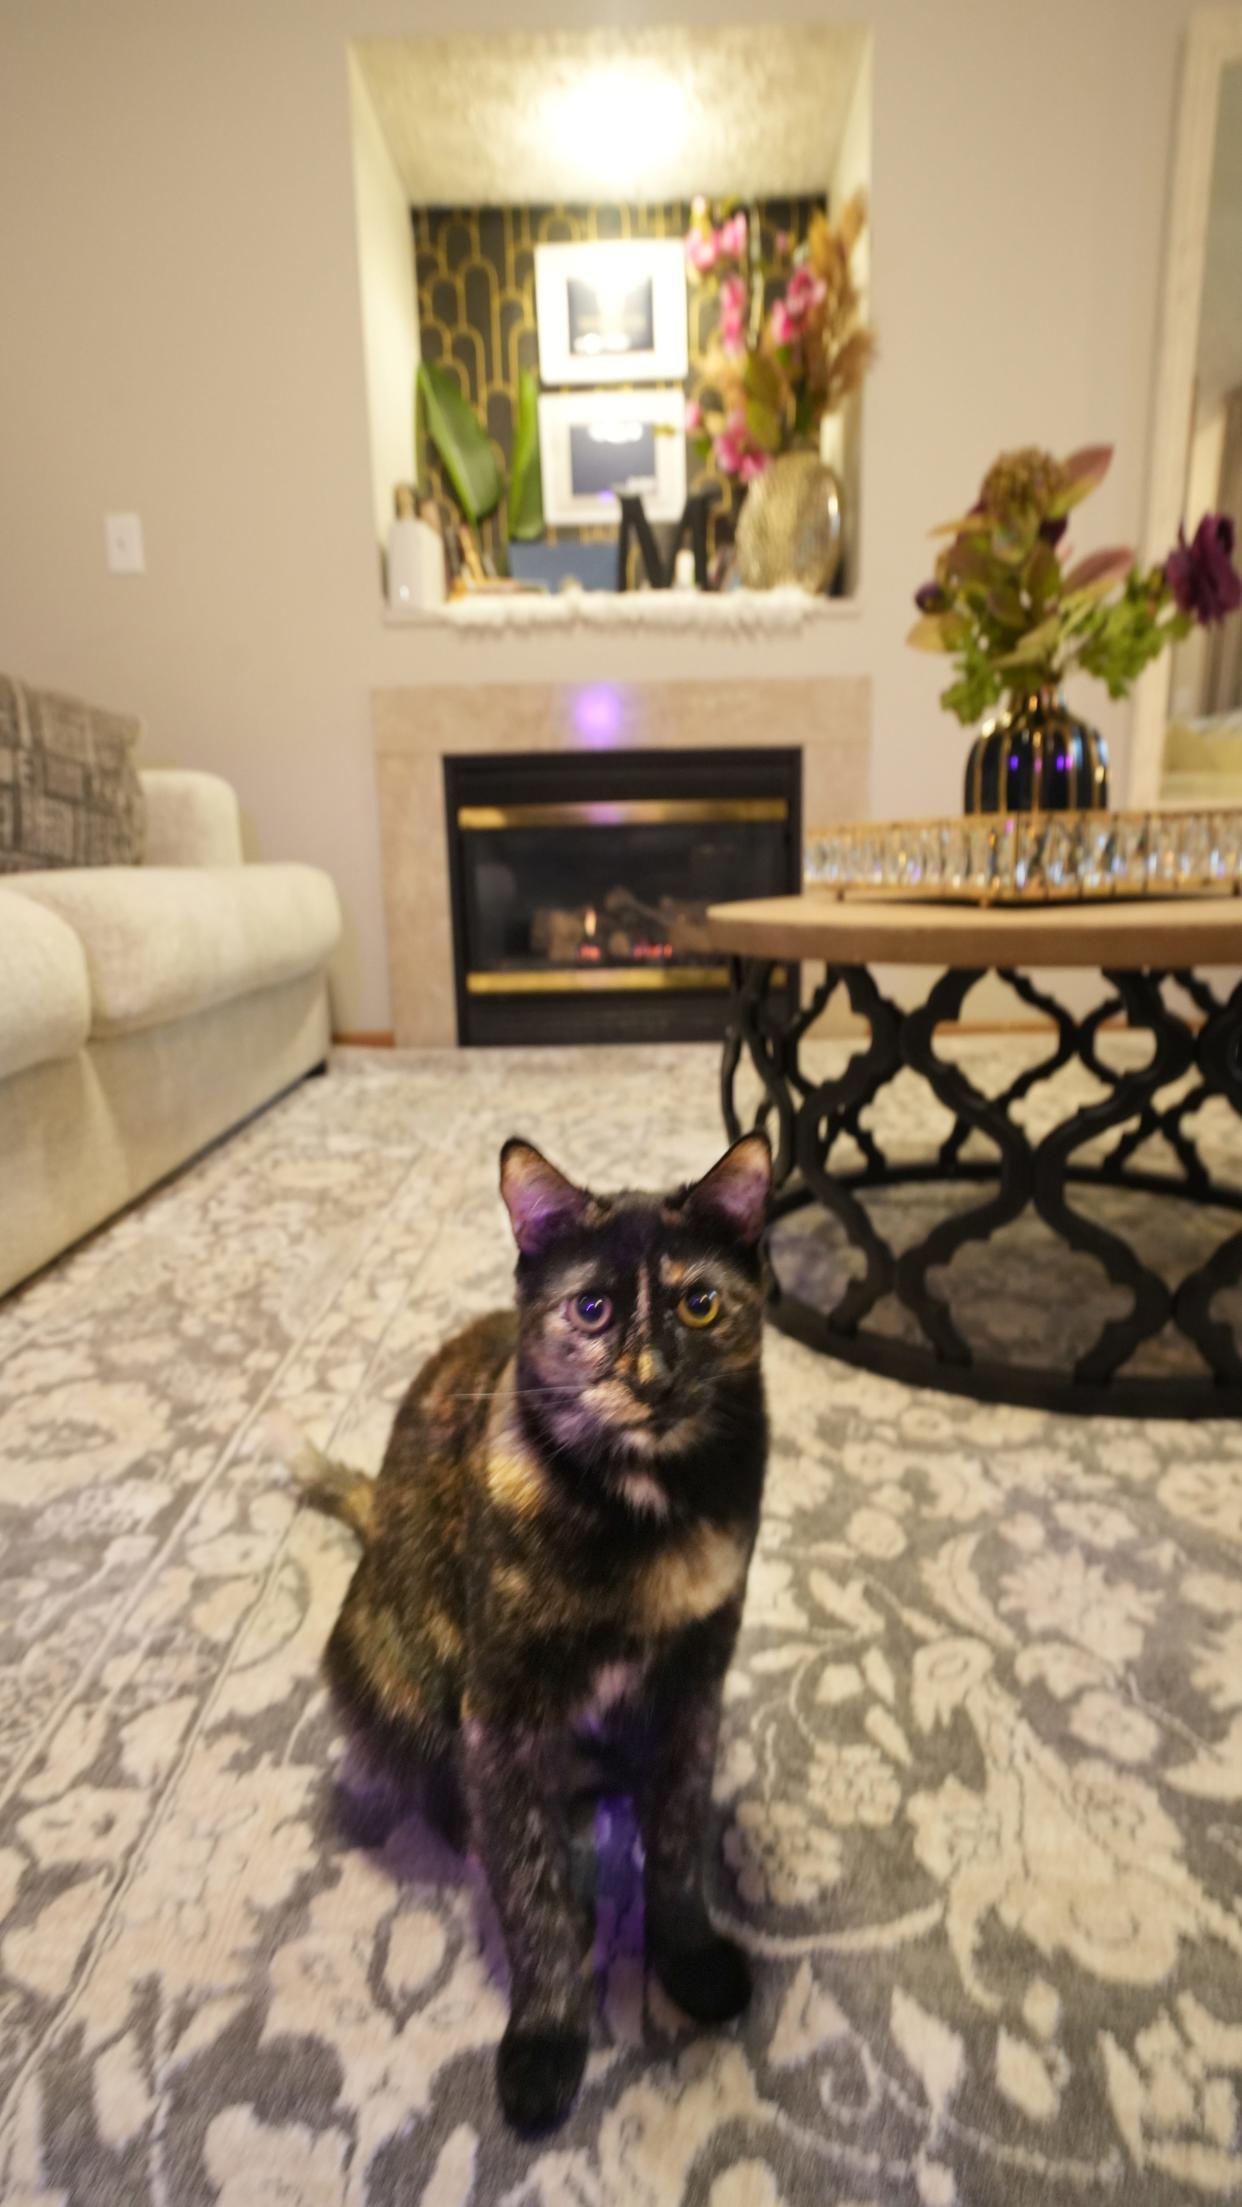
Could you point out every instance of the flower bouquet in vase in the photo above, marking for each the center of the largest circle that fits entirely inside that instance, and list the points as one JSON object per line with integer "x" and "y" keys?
{"x": 790, "y": 345}
{"x": 1016, "y": 611}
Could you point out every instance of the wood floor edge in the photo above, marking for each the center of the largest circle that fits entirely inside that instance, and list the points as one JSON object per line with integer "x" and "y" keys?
{"x": 378, "y": 1038}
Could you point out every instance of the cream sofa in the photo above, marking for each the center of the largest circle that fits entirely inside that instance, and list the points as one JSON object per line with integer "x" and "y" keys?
{"x": 145, "y": 1010}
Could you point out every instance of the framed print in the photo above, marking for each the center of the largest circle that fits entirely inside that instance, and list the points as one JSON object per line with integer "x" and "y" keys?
{"x": 593, "y": 444}
{"x": 612, "y": 311}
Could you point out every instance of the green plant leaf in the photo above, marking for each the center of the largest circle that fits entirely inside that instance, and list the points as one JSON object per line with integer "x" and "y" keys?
{"x": 1041, "y": 575}
{"x": 1035, "y": 645}
{"x": 461, "y": 441}
{"x": 971, "y": 524}
{"x": 763, "y": 382}
{"x": 525, "y": 474}
{"x": 1083, "y": 472}
{"x": 1006, "y": 606}
{"x": 928, "y": 633}
{"x": 966, "y": 561}
{"x": 764, "y": 424}
{"x": 1100, "y": 572}
{"x": 1014, "y": 537}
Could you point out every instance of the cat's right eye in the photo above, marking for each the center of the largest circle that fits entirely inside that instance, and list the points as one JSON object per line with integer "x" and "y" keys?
{"x": 591, "y": 1311}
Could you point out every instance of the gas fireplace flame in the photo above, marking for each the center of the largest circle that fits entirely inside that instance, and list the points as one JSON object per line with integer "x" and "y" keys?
{"x": 589, "y": 921}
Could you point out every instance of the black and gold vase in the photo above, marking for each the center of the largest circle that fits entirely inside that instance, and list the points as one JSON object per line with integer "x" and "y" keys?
{"x": 1036, "y": 757}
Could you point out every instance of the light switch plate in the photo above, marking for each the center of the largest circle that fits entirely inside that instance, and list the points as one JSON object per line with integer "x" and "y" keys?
{"x": 123, "y": 544}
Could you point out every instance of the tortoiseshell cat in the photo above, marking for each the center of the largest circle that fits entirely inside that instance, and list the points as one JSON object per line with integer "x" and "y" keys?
{"x": 557, "y": 1543}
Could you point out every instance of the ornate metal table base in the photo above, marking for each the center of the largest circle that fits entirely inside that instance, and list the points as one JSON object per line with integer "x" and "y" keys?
{"x": 807, "y": 1119}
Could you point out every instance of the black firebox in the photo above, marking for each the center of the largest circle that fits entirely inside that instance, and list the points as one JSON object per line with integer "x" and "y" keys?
{"x": 581, "y": 881}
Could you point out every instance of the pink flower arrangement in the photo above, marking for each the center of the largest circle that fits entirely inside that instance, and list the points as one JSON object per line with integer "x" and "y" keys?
{"x": 732, "y": 238}
{"x": 737, "y": 452}
{"x": 804, "y": 292}
{"x": 707, "y": 247}
{"x": 733, "y": 309}
{"x": 702, "y": 251}
{"x": 790, "y": 342}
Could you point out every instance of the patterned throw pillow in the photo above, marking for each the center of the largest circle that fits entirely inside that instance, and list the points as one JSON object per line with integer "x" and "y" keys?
{"x": 69, "y": 790}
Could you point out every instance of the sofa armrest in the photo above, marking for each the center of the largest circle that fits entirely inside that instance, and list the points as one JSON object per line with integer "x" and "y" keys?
{"x": 192, "y": 820}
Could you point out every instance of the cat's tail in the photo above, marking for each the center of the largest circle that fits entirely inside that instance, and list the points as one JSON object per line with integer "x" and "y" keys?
{"x": 331, "y": 1487}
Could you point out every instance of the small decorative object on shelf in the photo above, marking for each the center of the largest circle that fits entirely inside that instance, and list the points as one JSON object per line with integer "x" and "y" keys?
{"x": 789, "y": 347}
{"x": 1032, "y": 858}
{"x": 660, "y": 570}
{"x": 789, "y": 530}
{"x": 416, "y": 578}
{"x": 1017, "y": 613}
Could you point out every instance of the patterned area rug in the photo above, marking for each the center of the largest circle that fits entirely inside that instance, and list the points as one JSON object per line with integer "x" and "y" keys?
{"x": 980, "y": 1790}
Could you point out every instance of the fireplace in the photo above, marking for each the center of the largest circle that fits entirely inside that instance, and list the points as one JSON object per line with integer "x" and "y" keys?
{"x": 580, "y": 885}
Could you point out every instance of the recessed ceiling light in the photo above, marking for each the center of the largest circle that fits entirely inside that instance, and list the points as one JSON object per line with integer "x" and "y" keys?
{"x": 614, "y": 120}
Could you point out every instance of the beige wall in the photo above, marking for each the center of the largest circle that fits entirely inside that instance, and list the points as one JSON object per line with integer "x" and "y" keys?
{"x": 179, "y": 272}
{"x": 389, "y": 297}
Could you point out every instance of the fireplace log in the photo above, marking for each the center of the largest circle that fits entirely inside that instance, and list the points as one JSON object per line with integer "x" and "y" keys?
{"x": 629, "y": 927}
{"x": 557, "y": 936}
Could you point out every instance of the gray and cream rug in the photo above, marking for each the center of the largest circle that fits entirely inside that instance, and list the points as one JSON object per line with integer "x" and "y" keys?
{"x": 980, "y": 1791}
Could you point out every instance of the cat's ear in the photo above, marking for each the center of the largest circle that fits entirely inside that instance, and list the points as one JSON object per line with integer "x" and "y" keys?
{"x": 541, "y": 1203}
{"x": 735, "y": 1192}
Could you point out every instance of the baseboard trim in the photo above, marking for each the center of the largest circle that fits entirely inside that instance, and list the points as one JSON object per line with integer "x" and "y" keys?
{"x": 378, "y": 1038}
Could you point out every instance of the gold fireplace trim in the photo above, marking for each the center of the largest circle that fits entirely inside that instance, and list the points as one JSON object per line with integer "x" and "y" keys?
{"x": 626, "y": 812}
{"x": 560, "y": 980}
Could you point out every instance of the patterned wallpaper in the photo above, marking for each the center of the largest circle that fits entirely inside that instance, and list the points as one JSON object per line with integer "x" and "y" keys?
{"x": 476, "y": 300}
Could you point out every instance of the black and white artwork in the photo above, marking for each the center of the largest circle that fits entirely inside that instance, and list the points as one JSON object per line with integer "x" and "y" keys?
{"x": 611, "y": 311}
{"x": 595, "y": 444}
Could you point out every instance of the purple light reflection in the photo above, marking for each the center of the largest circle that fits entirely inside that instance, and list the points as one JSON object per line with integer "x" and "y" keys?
{"x": 597, "y": 716}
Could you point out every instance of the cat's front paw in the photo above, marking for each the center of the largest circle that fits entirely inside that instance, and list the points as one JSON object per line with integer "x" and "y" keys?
{"x": 538, "y": 2072}
{"x": 710, "y": 1980}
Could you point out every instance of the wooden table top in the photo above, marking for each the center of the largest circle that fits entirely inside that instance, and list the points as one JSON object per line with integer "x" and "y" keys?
{"x": 1189, "y": 931}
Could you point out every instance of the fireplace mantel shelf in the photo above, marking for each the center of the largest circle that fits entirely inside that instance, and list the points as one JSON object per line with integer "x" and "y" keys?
{"x": 738, "y": 612}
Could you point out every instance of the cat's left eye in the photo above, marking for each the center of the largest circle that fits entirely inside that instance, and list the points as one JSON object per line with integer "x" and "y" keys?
{"x": 699, "y": 1307}
{"x": 591, "y": 1311}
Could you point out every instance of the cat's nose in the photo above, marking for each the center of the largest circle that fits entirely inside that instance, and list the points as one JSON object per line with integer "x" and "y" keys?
{"x": 651, "y": 1380}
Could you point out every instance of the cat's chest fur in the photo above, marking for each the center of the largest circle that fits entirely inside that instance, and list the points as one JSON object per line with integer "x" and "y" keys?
{"x": 667, "y": 1581}
{"x": 690, "y": 1578}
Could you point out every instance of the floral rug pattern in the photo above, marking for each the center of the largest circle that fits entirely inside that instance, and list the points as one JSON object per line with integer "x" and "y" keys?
{"x": 980, "y": 1787}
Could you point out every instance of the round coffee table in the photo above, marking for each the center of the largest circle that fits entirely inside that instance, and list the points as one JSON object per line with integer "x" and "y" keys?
{"x": 1139, "y": 948}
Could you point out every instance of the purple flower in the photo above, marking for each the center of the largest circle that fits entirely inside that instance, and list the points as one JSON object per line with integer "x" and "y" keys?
{"x": 930, "y": 598}
{"x": 1201, "y": 574}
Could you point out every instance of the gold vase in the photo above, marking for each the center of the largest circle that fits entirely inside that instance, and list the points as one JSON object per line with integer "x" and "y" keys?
{"x": 790, "y": 526}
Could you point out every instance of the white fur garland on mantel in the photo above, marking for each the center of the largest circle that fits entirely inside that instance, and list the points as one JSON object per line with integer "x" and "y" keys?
{"x": 740, "y": 612}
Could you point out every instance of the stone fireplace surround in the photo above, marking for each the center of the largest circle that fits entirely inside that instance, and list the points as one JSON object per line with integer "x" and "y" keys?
{"x": 414, "y": 728}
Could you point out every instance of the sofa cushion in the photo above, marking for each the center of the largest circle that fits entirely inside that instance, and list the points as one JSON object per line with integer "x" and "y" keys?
{"x": 45, "y": 997}
{"x": 192, "y": 819}
{"x": 164, "y": 941}
{"x": 69, "y": 791}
